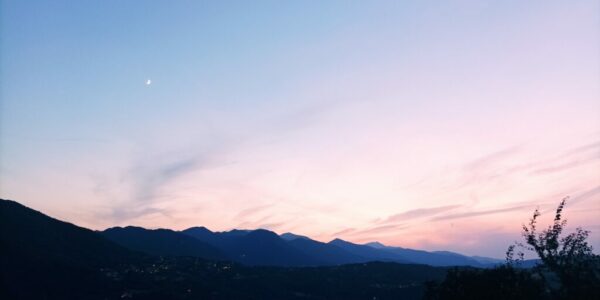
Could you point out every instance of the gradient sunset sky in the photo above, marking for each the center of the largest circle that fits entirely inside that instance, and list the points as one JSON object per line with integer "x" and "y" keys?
{"x": 438, "y": 125}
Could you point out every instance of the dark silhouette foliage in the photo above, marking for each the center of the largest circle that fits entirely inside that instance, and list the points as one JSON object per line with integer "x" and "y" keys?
{"x": 567, "y": 268}
{"x": 500, "y": 283}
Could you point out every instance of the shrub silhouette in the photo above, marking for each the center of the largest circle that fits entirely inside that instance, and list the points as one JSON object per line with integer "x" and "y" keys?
{"x": 567, "y": 268}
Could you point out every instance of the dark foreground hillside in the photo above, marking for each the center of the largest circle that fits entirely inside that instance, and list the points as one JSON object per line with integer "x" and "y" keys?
{"x": 44, "y": 258}
{"x": 192, "y": 278}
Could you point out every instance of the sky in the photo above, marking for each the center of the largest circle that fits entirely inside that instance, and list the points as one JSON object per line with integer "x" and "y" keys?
{"x": 437, "y": 125}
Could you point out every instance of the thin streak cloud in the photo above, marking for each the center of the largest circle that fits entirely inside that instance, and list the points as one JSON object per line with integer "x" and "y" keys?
{"x": 252, "y": 211}
{"x": 566, "y": 165}
{"x": 479, "y": 213}
{"x": 419, "y": 213}
{"x": 343, "y": 232}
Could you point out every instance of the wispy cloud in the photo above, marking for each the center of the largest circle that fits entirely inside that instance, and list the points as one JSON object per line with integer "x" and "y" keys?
{"x": 418, "y": 213}
{"x": 490, "y": 164}
{"x": 480, "y": 213}
{"x": 566, "y": 165}
{"x": 379, "y": 229}
{"x": 120, "y": 214}
{"x": 147, "y": 181}
{"x": 252, "y": 211}
{"x": 583, "y": 148}
{"x": 373, "y": 233}
{"x": 266, "y": 222}
{"x": 585, "y": 195}
{"x": 149, "y": 177}
{"x": 571, "y": 158}
{"x": 508, "y": 162}
{"x": 485, "y": 162}
{"x": 344, "y": 231}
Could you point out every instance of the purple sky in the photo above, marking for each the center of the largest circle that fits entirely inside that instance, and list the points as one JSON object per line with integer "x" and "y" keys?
{"x": 417, "y": 124}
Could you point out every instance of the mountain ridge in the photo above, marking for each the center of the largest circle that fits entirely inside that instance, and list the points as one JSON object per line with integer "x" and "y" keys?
{"x": 45, "y": 258}
{"x": 262, "y": 247}
{"x": 162, "y": 242}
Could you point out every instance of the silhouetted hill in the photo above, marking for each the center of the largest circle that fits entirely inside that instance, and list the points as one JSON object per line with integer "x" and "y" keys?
{"x": 369, "y": 253}
{"x": 201, "y": 233}
{"x": 376, "y": 245}
{"x": 263, "y": 247}
{"x": 163, "y": 242}
{"x": 487, "y": 260}
{"x": 438, "y": 258}
{"x": 288, "y": 236}
{"x": 256, "y": 248}
{"x": 326, "y": 253}
{"x": 41, "y": 255}
{"x": 44, "y": 258}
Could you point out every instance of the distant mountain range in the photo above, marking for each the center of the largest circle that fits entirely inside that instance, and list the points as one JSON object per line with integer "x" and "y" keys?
{"x": 249, "y": 247}
{"x": 261, "y": 247}
{"x": 163, "y": 242}
{"x": 45, "y": 258}
{"x": 265, "y": 248}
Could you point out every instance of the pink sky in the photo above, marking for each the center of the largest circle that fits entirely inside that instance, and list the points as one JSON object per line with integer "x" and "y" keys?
{"x": 438, "y": 128}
